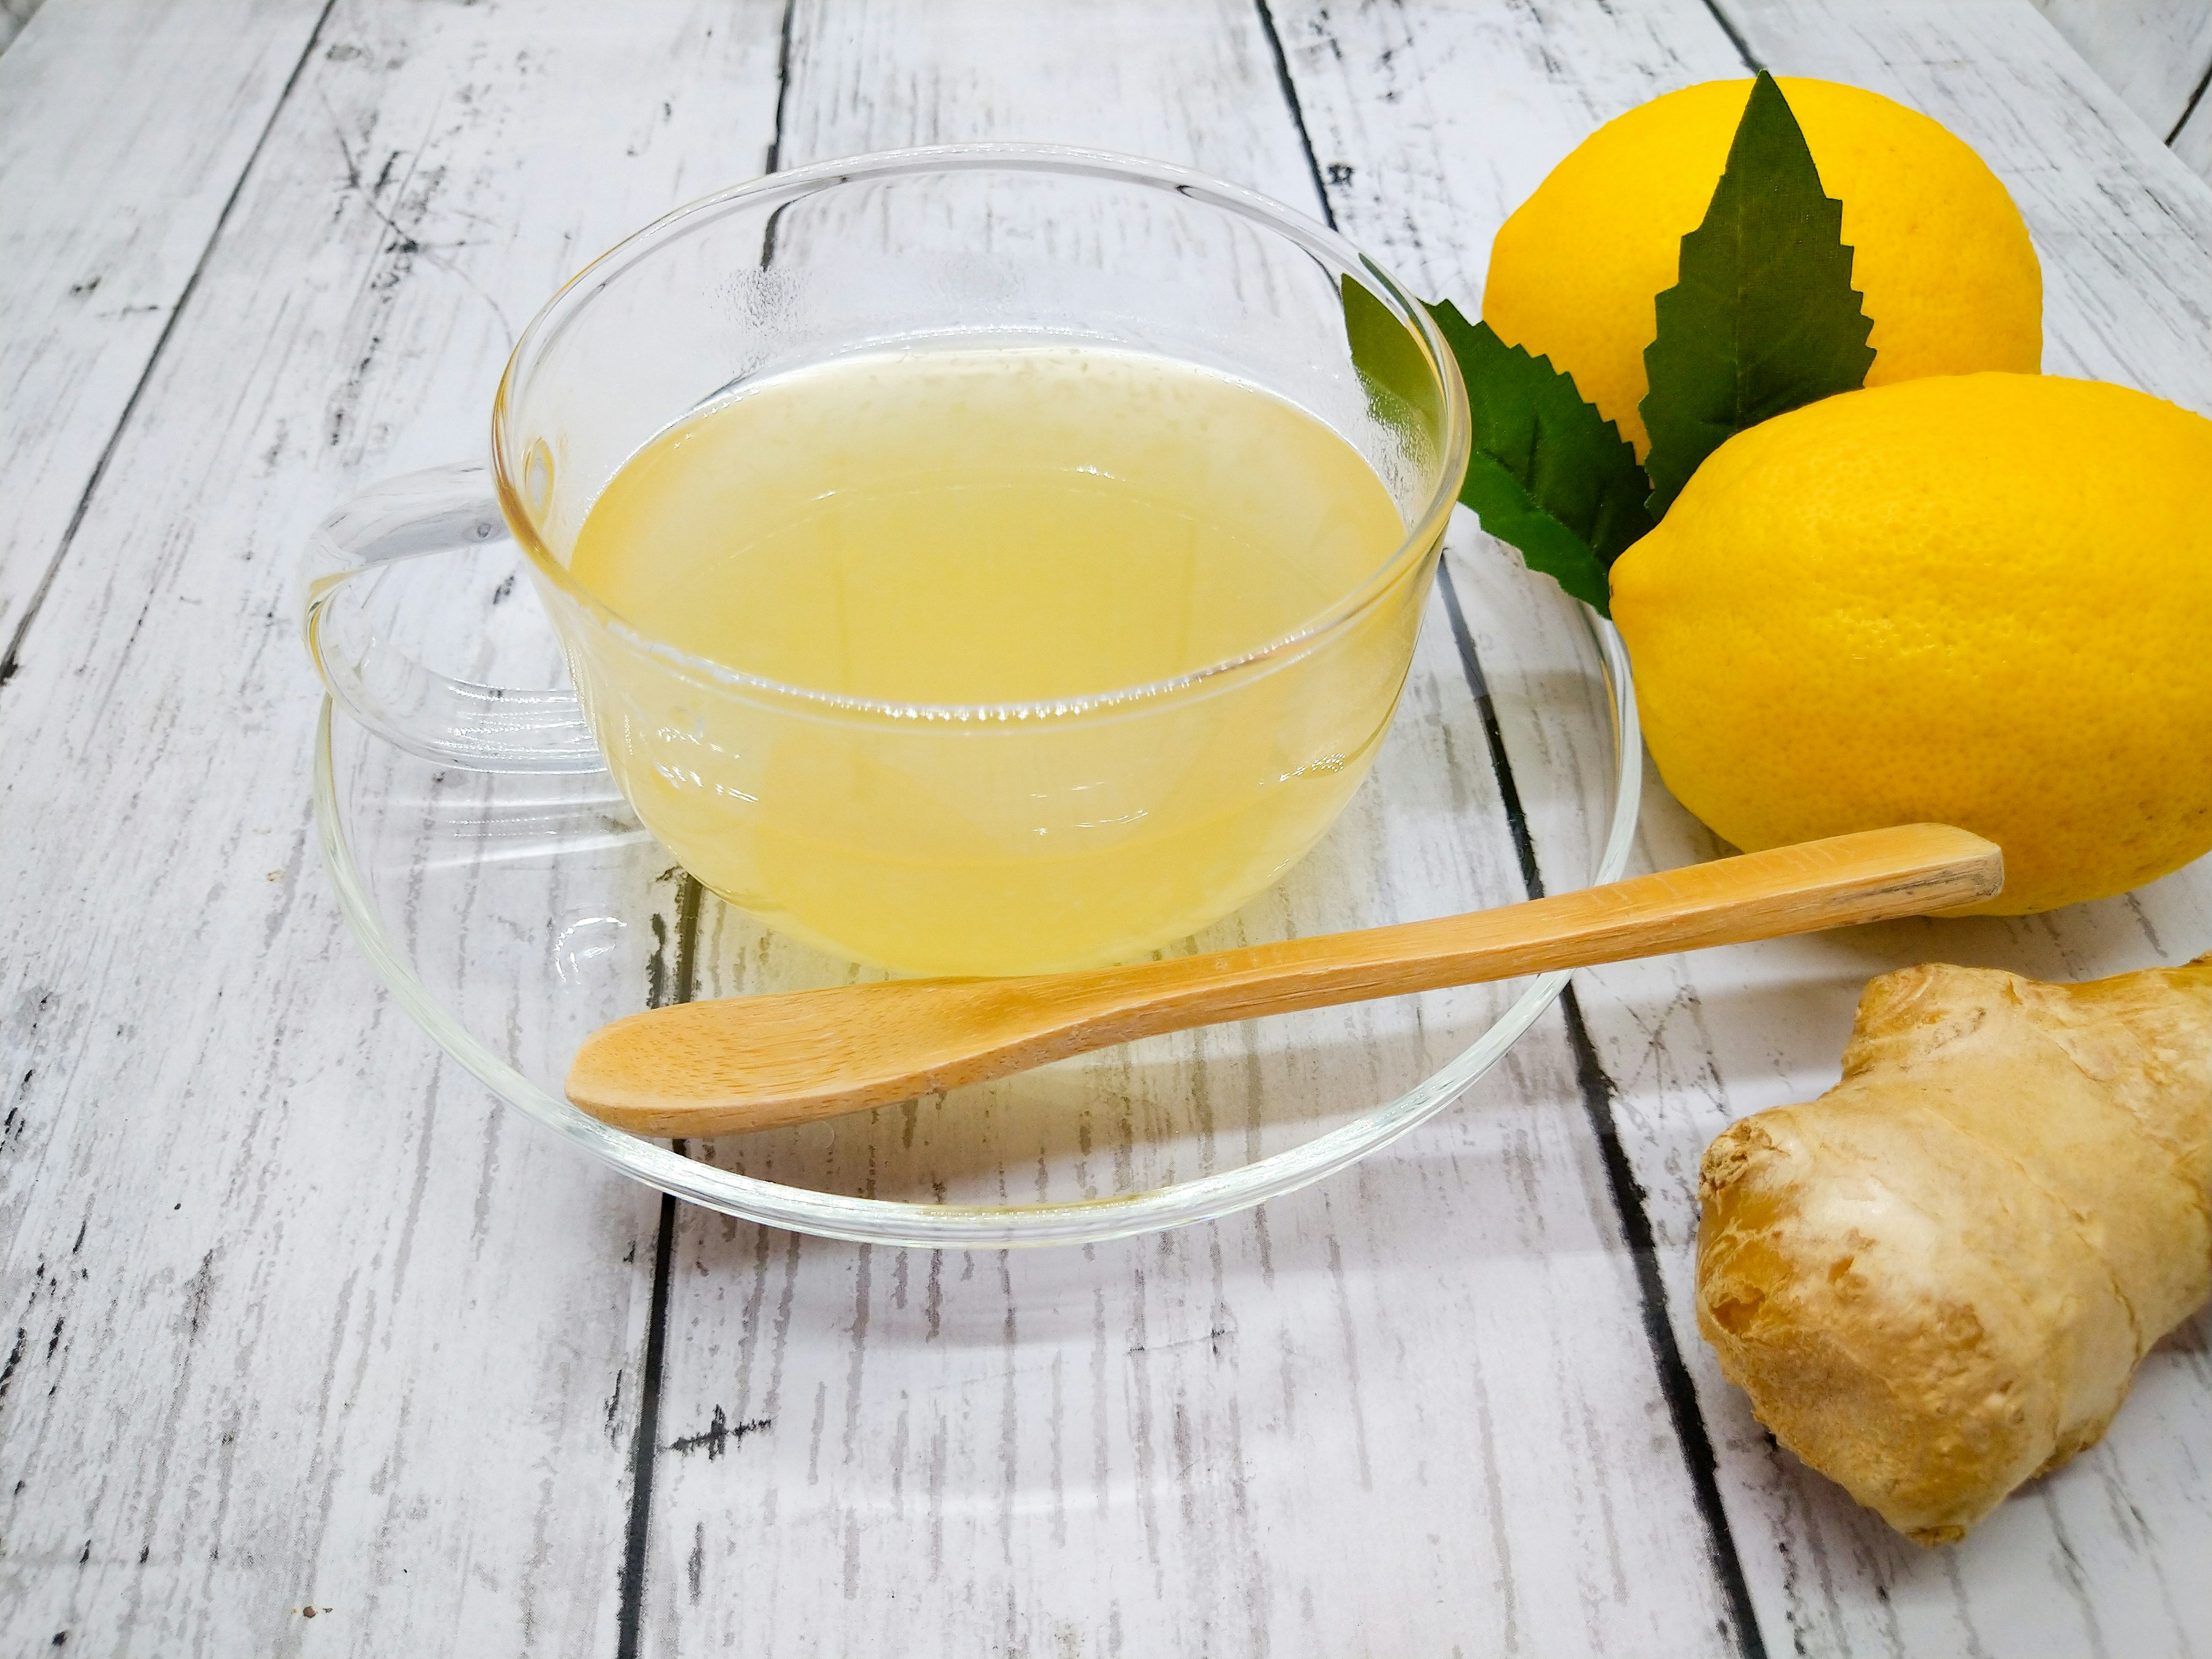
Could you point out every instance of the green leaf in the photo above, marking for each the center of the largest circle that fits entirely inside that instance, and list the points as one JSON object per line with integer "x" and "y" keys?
{"x": 1764, "y": 317}
{"x": 1549, "y": 474}
{"x": 1387, "y": 355}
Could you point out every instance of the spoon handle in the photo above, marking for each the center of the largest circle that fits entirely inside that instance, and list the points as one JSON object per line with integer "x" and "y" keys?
{"x": 744, "y": 1063}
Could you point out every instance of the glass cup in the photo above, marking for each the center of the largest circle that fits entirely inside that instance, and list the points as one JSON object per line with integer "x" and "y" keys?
{"x": 984, "y": 839}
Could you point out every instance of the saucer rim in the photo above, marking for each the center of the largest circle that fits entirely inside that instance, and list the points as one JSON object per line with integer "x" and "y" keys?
{"x": 901, "y": 1224}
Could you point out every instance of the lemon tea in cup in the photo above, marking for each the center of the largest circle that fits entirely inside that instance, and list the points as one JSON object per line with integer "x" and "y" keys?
{"x": 974, "y": 561}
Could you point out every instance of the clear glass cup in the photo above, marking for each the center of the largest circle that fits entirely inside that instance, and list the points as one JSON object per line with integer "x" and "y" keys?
{"x": 984, "y": 839}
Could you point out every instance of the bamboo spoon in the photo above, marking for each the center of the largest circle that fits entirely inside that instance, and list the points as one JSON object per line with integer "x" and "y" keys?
{"x": 744, "y": 1063}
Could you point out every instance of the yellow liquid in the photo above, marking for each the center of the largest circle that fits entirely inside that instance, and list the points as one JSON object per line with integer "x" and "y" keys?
{"x": 992, "y": 526}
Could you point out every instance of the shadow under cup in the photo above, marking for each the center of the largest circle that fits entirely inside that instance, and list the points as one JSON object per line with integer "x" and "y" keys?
{"x": 987, "y": 839}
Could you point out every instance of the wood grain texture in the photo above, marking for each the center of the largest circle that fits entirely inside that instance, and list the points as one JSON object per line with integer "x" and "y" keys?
{"x": 1353, "y": 1422}
{"x": 2095, "y": 1560}
{"x": 2155, "y": 53}
{"x": 291, "y": 1314}
{"x": 734, "y": 1065}
{"x": 2099, "y": 1556}
{"x": 297, "y": 1314}
{"x": 110, "y": 189}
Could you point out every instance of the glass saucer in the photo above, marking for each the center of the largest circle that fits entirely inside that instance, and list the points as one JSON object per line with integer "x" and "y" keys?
{"x": 511, "y": 914}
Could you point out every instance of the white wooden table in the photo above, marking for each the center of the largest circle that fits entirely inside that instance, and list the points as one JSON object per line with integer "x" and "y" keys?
{"x": 296, "y": 1321}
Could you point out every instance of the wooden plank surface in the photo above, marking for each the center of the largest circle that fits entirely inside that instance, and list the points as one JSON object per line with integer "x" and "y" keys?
{"x": 111, "y": 188}
{"x": 2155, "y": 53}
{"x": 1343, "y": 1425}
{"x": 298, "y": 1316}
{"x": 2121, "y": 225}
{"x": 2099, "y": 1557}
{"x": 1690, "y": 1044}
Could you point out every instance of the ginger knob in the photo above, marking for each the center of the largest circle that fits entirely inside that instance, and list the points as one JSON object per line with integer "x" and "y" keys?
{"x": 1935, "y": 1281}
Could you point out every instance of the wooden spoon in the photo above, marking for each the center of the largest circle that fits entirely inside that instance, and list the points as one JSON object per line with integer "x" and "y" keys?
{"x": 744, "y": 1063}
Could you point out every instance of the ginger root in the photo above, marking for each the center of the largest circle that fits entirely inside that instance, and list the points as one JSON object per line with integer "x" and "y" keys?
{"x": 1935, "y": 1281}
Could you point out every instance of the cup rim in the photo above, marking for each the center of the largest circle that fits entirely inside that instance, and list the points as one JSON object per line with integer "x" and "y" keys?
{"x": 1316, "y": 237}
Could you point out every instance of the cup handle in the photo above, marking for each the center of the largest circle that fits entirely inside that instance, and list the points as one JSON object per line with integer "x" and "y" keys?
{"x": 486, "y": 728}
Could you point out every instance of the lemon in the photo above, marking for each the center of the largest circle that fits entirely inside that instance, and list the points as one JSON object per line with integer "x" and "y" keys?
{"x": 1984, "y": 599}
{"x": 1949, "y": 275}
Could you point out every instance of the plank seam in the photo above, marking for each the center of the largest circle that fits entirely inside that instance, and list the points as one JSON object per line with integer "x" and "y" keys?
{"x": 630, "y": 1616}
{"x": 1298, "y": 110}
{"x": 783, "y": 90}
{"x": 1675, "y": 1384}
{"x": 12, "y": 659}
{"x": 637, "y": 1530}
{"x": 1596, "y": 1089}
{"x": 2189, "y": 108}
{"x": 1735, "y": 38}
{"x": 629, "y": 1613}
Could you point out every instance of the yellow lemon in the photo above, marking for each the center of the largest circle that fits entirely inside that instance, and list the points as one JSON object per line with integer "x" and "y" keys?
{"x": 1983, "y": 600}
{"x": 1949, "y": 277}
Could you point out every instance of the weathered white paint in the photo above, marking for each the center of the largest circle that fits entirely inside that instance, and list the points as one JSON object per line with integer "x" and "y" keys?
{"x": 2121, "y": 225}
{"x": 111, "y": 185}
{"x": 2155, "y": 53}
{"x": 382, "y": 1354}
{"x": 2101, "y": 1556}
{"x": 307, "y": 1320}
{"x": 1691, "y": 1044}
{"x": 1350, "y": 1423}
